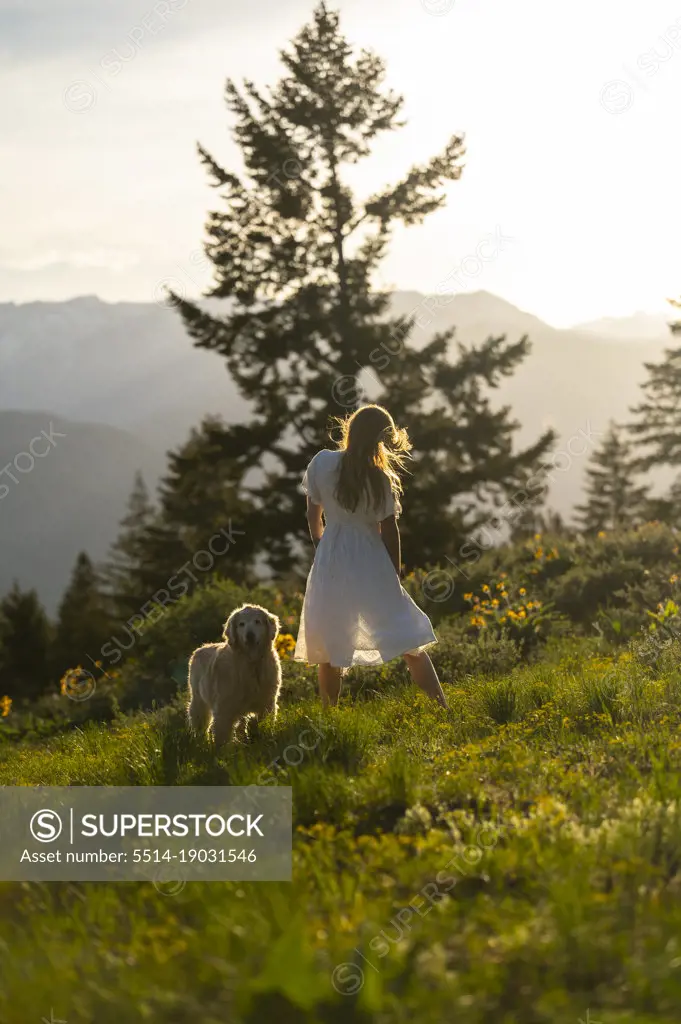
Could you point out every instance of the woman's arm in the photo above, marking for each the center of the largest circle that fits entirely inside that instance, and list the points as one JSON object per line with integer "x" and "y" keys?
{"x": 390, "y": 535}
{"x": 315, "y": 521}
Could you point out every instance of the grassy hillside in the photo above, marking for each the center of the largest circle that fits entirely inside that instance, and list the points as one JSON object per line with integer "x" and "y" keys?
{"x": 513, "y": 858}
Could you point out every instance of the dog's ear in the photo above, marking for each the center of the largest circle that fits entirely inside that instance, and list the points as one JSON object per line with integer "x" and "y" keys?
{"x": 229, "y": 631}
{"x": 273, "y": 626}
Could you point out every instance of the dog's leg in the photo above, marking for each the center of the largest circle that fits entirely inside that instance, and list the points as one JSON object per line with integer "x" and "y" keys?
{"x": 242, "y": 727}
{"x": 224, "y": 721}
{"x": 251, "y": 730}
{"x": 199, "y": 714}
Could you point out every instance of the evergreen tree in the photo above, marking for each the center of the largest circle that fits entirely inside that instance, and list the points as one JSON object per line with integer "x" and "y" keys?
{"x": 121, "y": 572}
{"x": 25, "y": 636}
{"x": 83, "y": 620}
{"x": 203, "y": 525}
{"x": 533, "y": 521}
{"x": 657, "y": 426}
{"x": 295, "y": 252}
{"x": 666, "y": 508}
{"x": 614, "y": 499}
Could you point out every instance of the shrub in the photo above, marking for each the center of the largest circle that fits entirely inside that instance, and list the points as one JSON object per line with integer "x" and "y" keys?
{"x": 585, "y": 588}
{"x": 487, "y": 653}
{"x": 505, "y": 611}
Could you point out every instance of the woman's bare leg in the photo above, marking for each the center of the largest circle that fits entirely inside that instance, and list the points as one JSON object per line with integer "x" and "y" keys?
{"x": 423, "y": 673}
{"x": 329, "y": 684}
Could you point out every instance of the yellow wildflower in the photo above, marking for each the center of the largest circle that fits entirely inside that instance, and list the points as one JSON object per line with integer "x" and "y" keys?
{"x": 467, "y": 597}
{"x": 522, "y": 591}
{"x": 5, "y": 706}
{"x": 284, "y": 644}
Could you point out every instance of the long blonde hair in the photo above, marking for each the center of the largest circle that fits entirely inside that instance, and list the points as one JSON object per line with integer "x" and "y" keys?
{"x": 375, "y": 450}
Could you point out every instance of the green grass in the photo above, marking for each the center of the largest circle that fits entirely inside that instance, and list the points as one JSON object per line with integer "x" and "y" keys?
{"x": 514, "y": 859}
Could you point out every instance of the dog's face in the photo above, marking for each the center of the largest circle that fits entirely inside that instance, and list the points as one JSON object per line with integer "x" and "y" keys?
{"x": 251, "y": 629}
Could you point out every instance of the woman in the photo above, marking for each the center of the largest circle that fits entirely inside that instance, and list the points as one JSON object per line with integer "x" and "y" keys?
{"x": 355, "y": 611}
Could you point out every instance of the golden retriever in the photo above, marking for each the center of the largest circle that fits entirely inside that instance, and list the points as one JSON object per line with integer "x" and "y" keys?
{"x": 240, "y": 677}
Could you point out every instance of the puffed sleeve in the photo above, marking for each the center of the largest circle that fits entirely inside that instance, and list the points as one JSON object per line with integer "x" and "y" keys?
{"x": 391, "y": 504}
{"x": 309, "y": 482}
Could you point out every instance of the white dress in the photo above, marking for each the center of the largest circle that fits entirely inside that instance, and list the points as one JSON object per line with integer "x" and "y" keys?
{"x": 355, "y": 611}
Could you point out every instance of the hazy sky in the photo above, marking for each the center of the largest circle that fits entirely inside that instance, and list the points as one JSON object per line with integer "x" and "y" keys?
{"x": 571, "y": 113}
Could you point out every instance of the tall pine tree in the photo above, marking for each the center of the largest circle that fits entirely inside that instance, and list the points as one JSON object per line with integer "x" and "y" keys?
{"x": 657, "y": 423}
{"x": 666, "y": 508}
{"x": 84, "y": 621}
{"x": 121, "y": 572}
{"x": 614, "y": 498}
{"x": 25, "y": 638}
{"x": 201, "y": 527}
{"x": 295, "y": 252}
{"x": 532, "y": 521}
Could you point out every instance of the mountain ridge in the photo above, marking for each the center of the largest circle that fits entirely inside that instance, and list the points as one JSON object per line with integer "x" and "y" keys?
{"x": 66, "y": 497}
{"x": 130, "y": 367}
